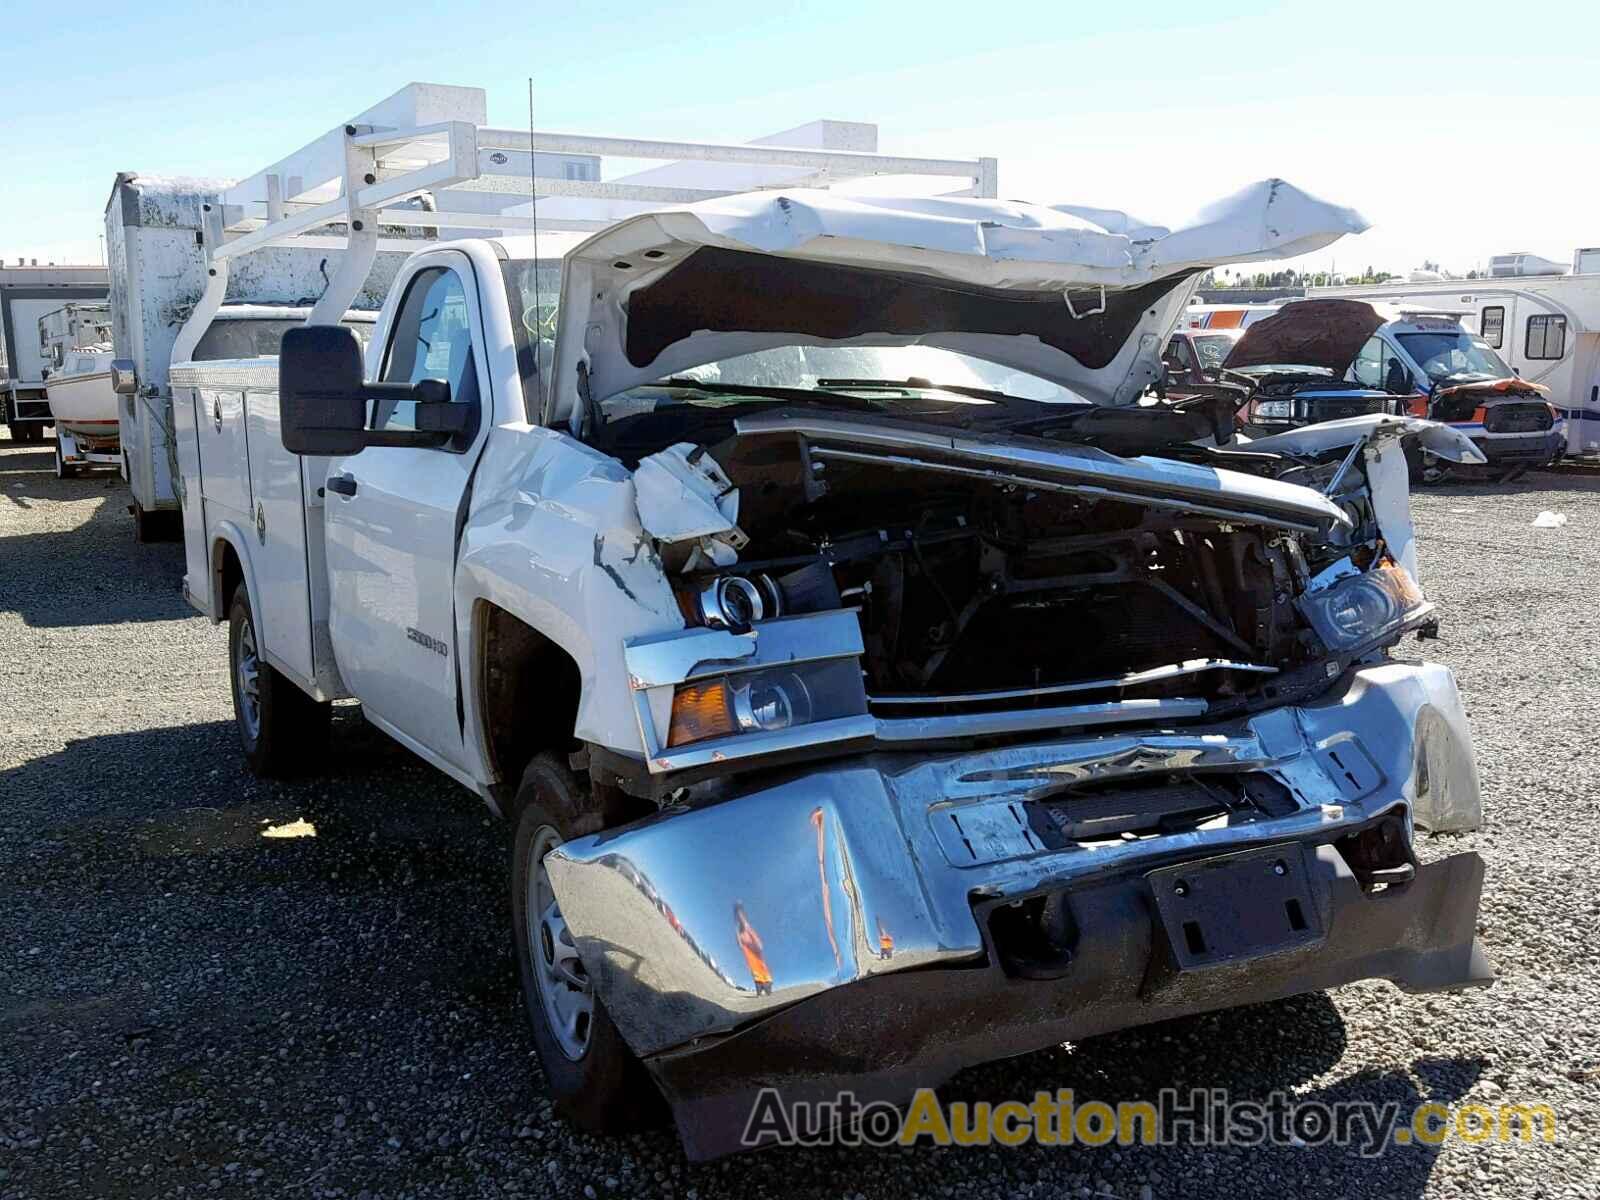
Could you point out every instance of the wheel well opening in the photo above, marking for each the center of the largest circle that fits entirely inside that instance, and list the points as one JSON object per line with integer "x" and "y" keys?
{"x": 229, "y": 573}
{"x": 530, "y": 688}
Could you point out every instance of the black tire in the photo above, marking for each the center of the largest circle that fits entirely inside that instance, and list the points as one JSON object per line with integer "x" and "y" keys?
{"x": 288, "y": 734}
{"x": 64, "y": 469}
{"x": 605, "y": 1088}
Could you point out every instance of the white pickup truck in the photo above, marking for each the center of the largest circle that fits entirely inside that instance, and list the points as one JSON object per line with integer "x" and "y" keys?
{"x": 875, "y": 687}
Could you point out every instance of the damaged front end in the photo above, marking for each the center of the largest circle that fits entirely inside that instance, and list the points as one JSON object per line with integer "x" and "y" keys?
{"x": 996, "y": 743}
{"x": 991, "y": 722}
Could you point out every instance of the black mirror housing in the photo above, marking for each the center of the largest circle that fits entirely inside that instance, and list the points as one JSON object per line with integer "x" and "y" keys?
{"x": 322, "y": 406}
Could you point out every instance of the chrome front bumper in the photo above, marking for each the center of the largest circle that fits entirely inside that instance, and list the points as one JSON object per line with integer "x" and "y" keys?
{"x": 835, "y": 882}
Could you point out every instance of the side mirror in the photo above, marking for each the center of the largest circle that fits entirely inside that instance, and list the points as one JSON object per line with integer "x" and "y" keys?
{"x": 322, "y": 407}
{"x": 124, "y": 378}
{"x": 322, "y": 399}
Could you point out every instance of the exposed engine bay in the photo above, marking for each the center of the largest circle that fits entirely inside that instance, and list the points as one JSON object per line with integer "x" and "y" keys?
{"x": 984, "y": 590}
{"x": 964, "y": 586}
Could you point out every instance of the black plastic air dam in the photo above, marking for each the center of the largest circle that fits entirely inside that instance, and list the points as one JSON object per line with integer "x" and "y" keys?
{"x": 884, "y": 1037}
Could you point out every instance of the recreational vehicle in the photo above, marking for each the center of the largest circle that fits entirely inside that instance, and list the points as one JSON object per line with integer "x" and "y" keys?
{"x": 1546, "y": 328}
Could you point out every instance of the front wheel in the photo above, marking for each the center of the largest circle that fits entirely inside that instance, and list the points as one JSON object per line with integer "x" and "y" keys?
{"x": 282, "y": 730}
{"x": 594, "y": 1078}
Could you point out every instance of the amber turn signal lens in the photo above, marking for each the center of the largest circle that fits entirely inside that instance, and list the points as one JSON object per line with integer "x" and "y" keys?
{"x": 700, "y": 711}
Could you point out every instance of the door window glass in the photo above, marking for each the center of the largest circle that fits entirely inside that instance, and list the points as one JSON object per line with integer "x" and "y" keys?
{"x": 1369, "y": 366}
{"x": 432, "y": 339}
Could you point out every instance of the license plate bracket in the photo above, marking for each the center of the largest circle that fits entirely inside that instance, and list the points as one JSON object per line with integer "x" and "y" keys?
{"x": 1238, "y": 907}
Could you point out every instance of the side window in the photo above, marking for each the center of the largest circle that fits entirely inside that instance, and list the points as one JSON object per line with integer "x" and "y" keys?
{"x": 1492, "y": 325}
{"x": 431, "y": 339}
{"x": 1547, "y": 337}
{"x": 1368, "y": 367}
{"x": 1179, "y": 360}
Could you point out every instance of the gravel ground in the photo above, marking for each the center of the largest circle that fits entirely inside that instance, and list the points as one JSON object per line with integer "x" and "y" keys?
{"x": 192, "y": 1005}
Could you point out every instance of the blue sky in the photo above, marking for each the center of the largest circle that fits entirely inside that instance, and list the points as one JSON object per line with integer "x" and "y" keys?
{"x": 1460, "y": 130}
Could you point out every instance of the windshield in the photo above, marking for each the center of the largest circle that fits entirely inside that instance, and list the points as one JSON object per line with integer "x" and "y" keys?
{"x": 532, "y": 292}
{"x": 1212, "y": 349}
{"x": 836, "y": 366}
{"x": 1454, "y": 354}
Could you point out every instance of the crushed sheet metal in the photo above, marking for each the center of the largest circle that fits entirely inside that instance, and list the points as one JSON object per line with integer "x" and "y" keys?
{"x": 683, "y": 495}
{"x": 651, "y": 906}
{"x": 965, "y": 241}
{"x": 1441, "y": 440}
{"x": 1389, "y": 484}
{"x": 1153, "y": 480}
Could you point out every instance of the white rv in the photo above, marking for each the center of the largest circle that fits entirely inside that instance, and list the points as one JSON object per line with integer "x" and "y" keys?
{"x": 1546, "y": 327}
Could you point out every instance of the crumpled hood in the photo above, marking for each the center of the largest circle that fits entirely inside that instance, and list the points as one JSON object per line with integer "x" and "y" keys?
{"x": 1083, "y": 301}
{"x": 1312, "y": 333}
{"x": 1489, "y": 389}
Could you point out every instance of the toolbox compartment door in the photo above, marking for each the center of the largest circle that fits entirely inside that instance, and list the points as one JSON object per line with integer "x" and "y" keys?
{"x": 278, "y": 525}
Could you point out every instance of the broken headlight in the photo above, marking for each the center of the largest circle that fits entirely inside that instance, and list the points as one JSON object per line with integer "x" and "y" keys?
{"x": 1359, "y": 610}
{"x": 735, "y": 602}
{"x": 767, "y": 701}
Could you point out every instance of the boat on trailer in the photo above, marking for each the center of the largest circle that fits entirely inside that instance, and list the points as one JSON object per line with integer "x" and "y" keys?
{"x": 83, "y": 407}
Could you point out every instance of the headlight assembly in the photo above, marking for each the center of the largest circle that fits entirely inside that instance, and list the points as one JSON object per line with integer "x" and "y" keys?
{"x": 1360, "y": 610}
{"x": 711, "y": 694}
{"x": 736, "y": 602}
{"x": 765, "y": 701}
{"x": 1273, "y": 410}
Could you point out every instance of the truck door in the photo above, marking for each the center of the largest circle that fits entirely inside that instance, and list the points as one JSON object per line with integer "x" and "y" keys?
{"x": 391, "y": 518}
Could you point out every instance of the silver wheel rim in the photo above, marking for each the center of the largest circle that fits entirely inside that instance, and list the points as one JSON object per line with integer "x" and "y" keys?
{"x": 565, "y": 990}
{"x": 247, "y": 672}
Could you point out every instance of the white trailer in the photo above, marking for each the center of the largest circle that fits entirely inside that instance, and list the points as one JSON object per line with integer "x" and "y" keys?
{"x": 28, "y": 294}
{"x": 155, "y": 228}
{"x": 1546, "y": 327}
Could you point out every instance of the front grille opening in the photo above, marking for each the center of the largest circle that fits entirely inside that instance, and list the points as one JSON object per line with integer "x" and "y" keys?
{"x": 1517, "y": 418}
{"x": 1147, "y": 807}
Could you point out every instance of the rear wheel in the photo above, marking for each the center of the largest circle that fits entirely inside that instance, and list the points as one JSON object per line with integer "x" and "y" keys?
{"x": 282, "y": 730}
{"x": 594, "y": 1078}
{"x": 64, "y": 469}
